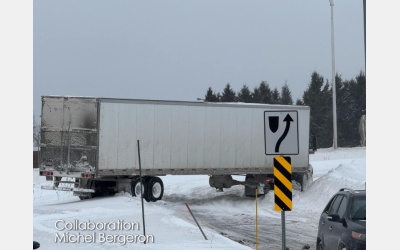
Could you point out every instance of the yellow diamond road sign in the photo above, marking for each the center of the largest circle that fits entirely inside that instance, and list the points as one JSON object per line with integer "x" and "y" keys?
{"x": 282, "y": 183}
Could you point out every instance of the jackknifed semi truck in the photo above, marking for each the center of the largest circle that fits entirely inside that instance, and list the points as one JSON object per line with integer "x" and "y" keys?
{"x": 100, "y": 146}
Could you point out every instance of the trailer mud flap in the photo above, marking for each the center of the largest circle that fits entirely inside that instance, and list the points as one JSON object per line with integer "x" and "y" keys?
{"x": 82, "y": 192}
{"x": 77, "y": 191}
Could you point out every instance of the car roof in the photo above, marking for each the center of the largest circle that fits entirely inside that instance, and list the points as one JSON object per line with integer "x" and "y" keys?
{"x": 353, "y": 192}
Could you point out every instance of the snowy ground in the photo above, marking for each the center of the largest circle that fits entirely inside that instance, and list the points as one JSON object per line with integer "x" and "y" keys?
{"x": 228, "y": 219}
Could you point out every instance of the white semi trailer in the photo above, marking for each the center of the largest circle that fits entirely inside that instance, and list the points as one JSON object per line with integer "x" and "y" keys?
{"x": 97, "y": 146}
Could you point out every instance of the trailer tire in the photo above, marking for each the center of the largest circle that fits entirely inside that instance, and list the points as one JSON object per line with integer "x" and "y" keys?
{"x": 211, "y": 181}
{"x": 136, "y": 187}
{"x": 134, "y": 180}
{"x": 303, "y": 180}
{"x": 249, "y": 191}
{"x": 155, "y": 189}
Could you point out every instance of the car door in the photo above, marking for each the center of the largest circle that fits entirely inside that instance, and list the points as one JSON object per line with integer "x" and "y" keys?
{"x": 325, "y": 224}
{"x": 334, "y": 228}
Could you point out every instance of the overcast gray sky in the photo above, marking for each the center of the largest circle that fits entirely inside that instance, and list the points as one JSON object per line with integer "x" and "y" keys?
{"x": 175, "y": 50}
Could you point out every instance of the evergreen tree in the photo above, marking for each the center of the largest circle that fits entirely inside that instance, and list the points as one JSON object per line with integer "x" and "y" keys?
{"x": 354, "y": 98}
{"x": 265, "y": 92}
{"x": 256, "y": 95}
{"x": 228, "y": 95}
{"x": 343, "y": 113}
{"x": 347, "y": 116}
{"x": 360, "y": 94}
{"x": 244, "y": 94}
{"x": 299, "y": 102}
{"x": 210, "y": 96}
{"x": 275, "y": 97}
{"x": 219, "y": 96}
{"x": 286, "y": 97}
{"x": 350, "y": 105}
{"x": 326, "y": 116}
{"x": 316, "y": 97}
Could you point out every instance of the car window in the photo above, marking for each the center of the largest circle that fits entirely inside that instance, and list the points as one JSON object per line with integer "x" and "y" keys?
{"x": 328, "y": 206}
{"x": 335, "y": 204}
{"x": 342, "y": 208}
{"x": 358, "y": 209}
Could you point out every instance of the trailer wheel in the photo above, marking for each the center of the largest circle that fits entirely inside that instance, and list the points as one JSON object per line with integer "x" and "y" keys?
{"x": 211, "y": 181}
{"x": 155, "y": 189}
{"x": 136, "y": 187}
{"x": 249, "y": 191}
{"x": 303, "y": 181}
{"x": 306, "y": 179}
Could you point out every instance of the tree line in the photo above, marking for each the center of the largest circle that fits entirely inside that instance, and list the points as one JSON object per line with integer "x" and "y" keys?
{"x": 350, "y": 105}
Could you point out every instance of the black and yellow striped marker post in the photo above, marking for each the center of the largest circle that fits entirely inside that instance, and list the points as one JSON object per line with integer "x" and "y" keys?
{"x": 283, "y": 189}
{"x": 282, "y": 183}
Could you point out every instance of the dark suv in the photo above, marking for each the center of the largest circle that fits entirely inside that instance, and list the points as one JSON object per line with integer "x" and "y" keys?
{"x": 342, "y": 224}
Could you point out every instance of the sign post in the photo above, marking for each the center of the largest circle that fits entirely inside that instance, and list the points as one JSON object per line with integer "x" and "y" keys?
{"x": 281, "y": 137}
{"x": 283, "y": 189}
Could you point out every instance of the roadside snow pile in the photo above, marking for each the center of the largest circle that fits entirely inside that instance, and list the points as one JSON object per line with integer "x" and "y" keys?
{"x": 354, "y": 171}
{"x": 339, "y": 153}
{"x": 352, "y": 175}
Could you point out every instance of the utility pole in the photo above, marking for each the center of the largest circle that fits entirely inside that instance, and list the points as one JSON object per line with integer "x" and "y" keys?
{"x": 333, "y": 81}
{"x": 365, "y": 44}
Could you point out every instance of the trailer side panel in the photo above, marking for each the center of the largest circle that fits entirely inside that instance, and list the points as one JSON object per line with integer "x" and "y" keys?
{"x": 190, "y": 138}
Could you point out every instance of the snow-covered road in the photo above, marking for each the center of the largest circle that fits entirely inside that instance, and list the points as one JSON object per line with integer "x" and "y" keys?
{"x": 227, "y": 218}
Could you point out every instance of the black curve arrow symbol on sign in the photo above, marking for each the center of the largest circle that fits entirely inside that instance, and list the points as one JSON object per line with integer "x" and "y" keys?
{"x": 287, "y": 119}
